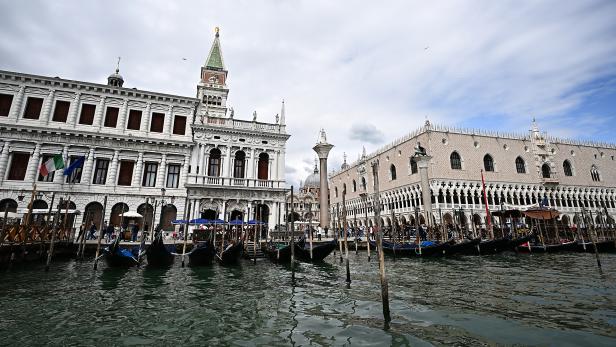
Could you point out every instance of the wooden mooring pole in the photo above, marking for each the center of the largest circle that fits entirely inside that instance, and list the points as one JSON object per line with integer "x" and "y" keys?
{"x": 53, "y": 237}
{"x": 100, "y": 235}
{"x": 379, "y": 245}
{"x": 346, "y": 234}
{"x": 187, "y": 204}
{"x": 590, "y": 235}
{"x": 292, "y": 237}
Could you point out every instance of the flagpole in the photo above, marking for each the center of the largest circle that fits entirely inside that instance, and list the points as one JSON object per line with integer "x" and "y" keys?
{"x": 485, "y": 199}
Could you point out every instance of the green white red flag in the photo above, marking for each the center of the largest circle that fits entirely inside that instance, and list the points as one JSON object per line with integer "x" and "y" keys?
{"x": 54, "y": 163}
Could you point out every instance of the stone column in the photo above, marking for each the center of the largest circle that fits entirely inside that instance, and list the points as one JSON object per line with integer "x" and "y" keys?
{"x": 422, "y": 164}
{"x": 136, "y": 182}
{"x": 226, "y": 171}
{"x": 73, "y": 109}
{"x": 168, "y": 121}
{"x": 322, "y": 148}
{"x": 160, "y": 175}
{"x": 16, "y": 107}
{"x": 281, "y": 168}
{"x": 33, "y": 164}
{"x": 4, "y": 159}
{"x": 46, "y": 113}
{"x": 113, "y": 168}
{"x": 98, "y": 116}
{"x": 184, "y": 172}
{"x": 251, "y": 164}
{"x": 58, "y": 177}
{"x": 145, "y": 122}
{"x": 86, "y": 176}
{"x": 122, "y": 117}
{"x": 199, "y": 162}
{"x": 271, "y": 175}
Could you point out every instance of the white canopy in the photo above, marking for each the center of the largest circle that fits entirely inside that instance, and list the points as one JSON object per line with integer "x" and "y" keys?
{"x": 132, "y": 214}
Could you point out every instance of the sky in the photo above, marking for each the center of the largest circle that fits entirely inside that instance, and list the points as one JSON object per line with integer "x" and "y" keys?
{"x": 367, "y": 72}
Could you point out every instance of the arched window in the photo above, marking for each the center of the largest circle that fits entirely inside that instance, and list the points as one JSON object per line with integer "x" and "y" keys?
{"x": 519, "y": 165}
{"x": 344, "y": 188}
{"x": 336, "y": 191}
{"x": 594, "y": 174}
{"x": 567, "y": 168}
{"x": 488, "y": 163}
{"x": 354, "y": 186}
{"x": 214, "y": 165}
{"x": 363, "y": 183}
{"x": 239, "y": 164}
{"x": 456, "y": 161}
{"x": 545, "y": 171}
{"x": 263, "y": 166}
{"x": 413, "y": 166}
{"x": 392, "y": 172}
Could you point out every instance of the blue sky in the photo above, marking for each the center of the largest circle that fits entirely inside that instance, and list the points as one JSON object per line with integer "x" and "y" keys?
{"x": 368, "y": 72}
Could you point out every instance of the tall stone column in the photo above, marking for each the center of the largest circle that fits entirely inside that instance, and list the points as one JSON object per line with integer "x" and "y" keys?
{"x": 59, "y": 175}
{"x": 251, "y": 164}
{"x": 4, "y": 159}
{"x": 138, "y": 170}
{"x": 98, "y": 116}
{"x": 227, "y": 164}
{"x": 160, "y": 175}
{"x": 145, "y": 122}
{"x": 422, "y": 163}
{"x": 122, "y": 118}
{"x": 86, "y": 176}
{"x": 33, "y": 164}
{"x": 48, "y": 105}
{"x": 16, "y": 107}
{"x": 184, "y": 172}
{"x": 167, "y": 121}
{"x": 322, "y": 148}
{"x": 113, "y": 169}
{"x": 73, "y": 109}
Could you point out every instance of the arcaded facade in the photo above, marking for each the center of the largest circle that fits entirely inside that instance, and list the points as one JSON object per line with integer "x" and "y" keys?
{"x": 520, "y": 170}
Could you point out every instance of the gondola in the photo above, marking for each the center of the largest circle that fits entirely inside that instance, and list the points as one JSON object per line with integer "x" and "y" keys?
{"x": 567, "y": 246}
{"x": 488, "y": 247}
{"x": 462, "y": 247}
{"x": 319, "y": 252}
{"x": 119, "y": 257}
{"x": 278, "y": 252}
{"x": 157, "y": 254}
{"x": 202, "y": 254}
{"x": 231, "y": 254}
{"x": 602, "y": 246}
{"x": 427, "y": 249}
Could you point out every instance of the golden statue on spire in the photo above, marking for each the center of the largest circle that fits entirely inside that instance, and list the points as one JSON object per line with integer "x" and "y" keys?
{"x": 216, "y": 30}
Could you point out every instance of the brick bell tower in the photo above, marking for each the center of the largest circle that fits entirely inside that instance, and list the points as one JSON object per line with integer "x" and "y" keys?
{"x": 212, "y": 88}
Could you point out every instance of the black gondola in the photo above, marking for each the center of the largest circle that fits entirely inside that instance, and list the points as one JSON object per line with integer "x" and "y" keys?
{"x": 231, "y": 254}
{"x": 157, "y": 253}
{"x": 319, "y": 252}
{"x": 119, "y": 257}
{"x": 602, "y": 246}
{"x": 278, "y": 252}
{"x": 462, "y": 247}
{"x": 570, "y": 246}
{"x": 427, "y": 249}
{"x": 202, "y": 254}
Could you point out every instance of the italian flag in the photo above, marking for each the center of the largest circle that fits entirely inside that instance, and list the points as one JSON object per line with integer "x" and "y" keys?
{"x": 51, "y": 165}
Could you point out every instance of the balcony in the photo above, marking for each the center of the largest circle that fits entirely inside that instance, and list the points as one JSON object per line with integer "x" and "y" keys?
{"x": 211, "y": 181}
{"x": 550, "y": 181}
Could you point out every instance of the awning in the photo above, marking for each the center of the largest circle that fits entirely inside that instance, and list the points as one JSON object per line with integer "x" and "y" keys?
{"x": 131, "y": 214}
{"x": 540, "y": 213}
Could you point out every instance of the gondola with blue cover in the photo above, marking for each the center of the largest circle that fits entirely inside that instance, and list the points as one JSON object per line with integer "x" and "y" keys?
{"x": 427, "y": 249}
{"x": 115, "y": 256}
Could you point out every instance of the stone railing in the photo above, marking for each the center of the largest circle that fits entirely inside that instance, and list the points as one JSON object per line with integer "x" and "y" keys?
{"x": 198, "y": 180}
{"x": 245, "y": 125}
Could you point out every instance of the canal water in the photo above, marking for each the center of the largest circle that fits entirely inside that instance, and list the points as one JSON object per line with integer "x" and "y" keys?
{"x": 543, "y": 299}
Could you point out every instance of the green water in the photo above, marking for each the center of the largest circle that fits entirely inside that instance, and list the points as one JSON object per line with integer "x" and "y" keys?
{"x": 544, "y": 299}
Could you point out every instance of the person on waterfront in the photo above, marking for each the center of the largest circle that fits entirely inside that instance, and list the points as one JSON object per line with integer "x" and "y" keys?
{"x": 108, "y": 232}
{"x": 134, "y": 232}
{"x": 91, "y": 235}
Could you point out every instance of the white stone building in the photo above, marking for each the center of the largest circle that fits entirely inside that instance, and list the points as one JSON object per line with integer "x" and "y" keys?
{"x": 306, "y": 206}
{"x": 520, "y": 170}
{"x": 137, "y": 145}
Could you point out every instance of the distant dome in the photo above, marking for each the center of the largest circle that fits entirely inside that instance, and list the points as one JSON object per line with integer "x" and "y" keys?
{"x": 115, "y": 79}
{"x": 314, "y": 180}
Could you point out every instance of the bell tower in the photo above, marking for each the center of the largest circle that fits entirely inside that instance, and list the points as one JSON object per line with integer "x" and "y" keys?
{"x": 212, "y": 88}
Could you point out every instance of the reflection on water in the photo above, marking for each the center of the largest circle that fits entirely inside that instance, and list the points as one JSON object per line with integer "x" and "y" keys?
{"x": 546, "y": 299}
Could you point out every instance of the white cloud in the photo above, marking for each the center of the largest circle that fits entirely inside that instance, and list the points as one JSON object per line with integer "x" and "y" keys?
{"x": 336, "y": 64}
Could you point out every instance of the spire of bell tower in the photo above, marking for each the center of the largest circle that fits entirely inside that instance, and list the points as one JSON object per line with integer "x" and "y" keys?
{"x": 212, "y": 88}
{"x": 282, "y": 114}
